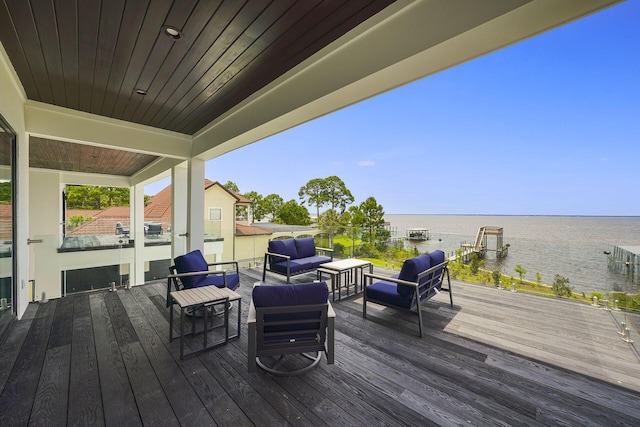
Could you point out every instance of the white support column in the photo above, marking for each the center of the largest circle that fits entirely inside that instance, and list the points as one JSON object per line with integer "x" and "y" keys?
{"x": 136, "y": 202}
{"x": 179, "y": 205}
{"x": 195, "y": 205}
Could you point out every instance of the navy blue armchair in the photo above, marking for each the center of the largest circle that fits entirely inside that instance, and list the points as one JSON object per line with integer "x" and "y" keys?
{"x": 191, "y": 270}
{"x": 420, "y": 279}
{"x": 290, "y": 319}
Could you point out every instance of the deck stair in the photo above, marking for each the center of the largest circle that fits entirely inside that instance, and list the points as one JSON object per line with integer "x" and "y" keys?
{"x": 480, "y": 244}
{"x": 480, "y": 239}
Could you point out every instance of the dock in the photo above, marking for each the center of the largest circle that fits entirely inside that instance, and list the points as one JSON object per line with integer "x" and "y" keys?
{"x": 480, "y": 247}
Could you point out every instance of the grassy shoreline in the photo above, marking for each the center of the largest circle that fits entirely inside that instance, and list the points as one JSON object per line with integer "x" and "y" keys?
{"x": 484, "y": 277}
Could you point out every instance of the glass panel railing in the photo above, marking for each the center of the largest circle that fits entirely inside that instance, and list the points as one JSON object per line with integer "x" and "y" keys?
{"x": 623, "y": 289}
{"x": 559, "y": 270}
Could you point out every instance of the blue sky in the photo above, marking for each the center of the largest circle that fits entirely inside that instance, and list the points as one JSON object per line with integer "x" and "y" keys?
{"x": 549, "y": 126}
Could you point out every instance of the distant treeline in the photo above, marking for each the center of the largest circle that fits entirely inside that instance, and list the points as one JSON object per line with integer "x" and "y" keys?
{"x": 5, "y": 192}
{"x": 96, "y": 197}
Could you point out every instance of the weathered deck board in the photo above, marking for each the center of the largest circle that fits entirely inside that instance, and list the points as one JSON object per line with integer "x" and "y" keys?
{"x": 85, "y": 404}
{"x": 495, "y": 358}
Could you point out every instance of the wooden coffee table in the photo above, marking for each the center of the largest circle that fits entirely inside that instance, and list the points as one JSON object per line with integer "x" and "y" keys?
{"x": 351, "y": 268}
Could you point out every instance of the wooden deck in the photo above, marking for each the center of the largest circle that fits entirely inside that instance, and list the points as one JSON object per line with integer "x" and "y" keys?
{"x": 496, "y": 358}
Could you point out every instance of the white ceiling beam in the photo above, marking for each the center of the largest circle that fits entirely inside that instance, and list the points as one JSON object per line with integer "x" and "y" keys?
{"x": 64, "y": 124}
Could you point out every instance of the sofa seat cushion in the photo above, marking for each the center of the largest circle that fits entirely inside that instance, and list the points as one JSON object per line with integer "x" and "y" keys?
{"x": 410, "y": 270}
{"x": 190, "y": 263}
{"x": 294, "y": 266}
{"x": 299, "y": 265}
{"x": 306, "y": 247}
{"x": 387, "y": 292}
{"x": 314, "y": 261}
{"x": 233, "y": 280}
{"x": 285, "y": 247}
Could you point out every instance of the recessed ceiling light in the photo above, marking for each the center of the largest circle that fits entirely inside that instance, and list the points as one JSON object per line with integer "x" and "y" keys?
{"x": 140, "y": 91}
{"x": 172, "y": 32}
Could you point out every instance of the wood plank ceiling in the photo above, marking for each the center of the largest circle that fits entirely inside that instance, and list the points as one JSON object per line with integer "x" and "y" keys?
{"x": 98, "y": 56}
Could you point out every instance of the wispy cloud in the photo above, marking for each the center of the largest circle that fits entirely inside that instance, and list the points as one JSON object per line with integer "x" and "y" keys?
{"x": 366, "y": 163}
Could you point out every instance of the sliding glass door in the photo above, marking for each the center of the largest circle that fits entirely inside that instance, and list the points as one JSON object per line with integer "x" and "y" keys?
{"x": 7, "y": 229}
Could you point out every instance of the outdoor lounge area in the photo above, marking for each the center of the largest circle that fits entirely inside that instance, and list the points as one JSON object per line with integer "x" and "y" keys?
{"x": 496, "y": 357}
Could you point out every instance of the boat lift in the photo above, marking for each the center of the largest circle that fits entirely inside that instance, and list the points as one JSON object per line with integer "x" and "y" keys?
{"x": 480, "y": 245}
{"x": 418, "y": 234}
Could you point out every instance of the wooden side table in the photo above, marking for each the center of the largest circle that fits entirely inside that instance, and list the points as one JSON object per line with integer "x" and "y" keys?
{"x": 204, "y": 297}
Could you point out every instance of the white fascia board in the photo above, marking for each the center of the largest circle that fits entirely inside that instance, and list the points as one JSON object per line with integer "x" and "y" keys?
{"x": 79, "y": 178}
{"x": 406, "y": 42}
{"x": 155, "y": 171}
{"x": 69, "y": 125}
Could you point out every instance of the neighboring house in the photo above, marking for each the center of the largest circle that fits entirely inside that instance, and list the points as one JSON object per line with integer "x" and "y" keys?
{"x": 251, "y": 242}
{"x": 241, "y": 241}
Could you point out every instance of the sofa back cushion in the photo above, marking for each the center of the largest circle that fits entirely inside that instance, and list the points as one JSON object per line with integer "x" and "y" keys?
{"x": 410, "y": 270}
{"x": 437, "y": 257}
{"x": 189, "y": 263}
{"x": 306, "y": 247}
{"x": 294, "y": 294}
{"x": 284, "y": 247}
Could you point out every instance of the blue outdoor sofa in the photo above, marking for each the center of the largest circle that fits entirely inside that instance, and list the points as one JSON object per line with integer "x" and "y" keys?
{"x": 420, "y": 279}
{"x": 293, "y": 256}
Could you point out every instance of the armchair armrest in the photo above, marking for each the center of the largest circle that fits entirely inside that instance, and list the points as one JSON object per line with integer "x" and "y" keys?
{"x": 216, "y": 264}
{"x": 390, "y": 279}
{"x": 287, "y": 257}
{"x": 173, "y": 277}
{"x": 197, "y": 273}
{"x": 324, "y": 249}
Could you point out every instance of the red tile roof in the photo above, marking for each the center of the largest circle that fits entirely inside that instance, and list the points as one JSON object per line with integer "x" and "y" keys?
{"x": 239, "y": 197}
{"x": 6, "y": 222}
{"x": 250, "y": 230}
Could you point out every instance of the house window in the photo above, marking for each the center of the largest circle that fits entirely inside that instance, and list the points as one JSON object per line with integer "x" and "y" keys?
{"x": 215, "y": 214}
{"x": 214, "y": 224}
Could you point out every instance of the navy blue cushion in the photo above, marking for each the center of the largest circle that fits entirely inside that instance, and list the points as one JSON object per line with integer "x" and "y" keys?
{"x": 294, "y": 267}
{"x": 305, "y": 247}
{"x": 313, "y": 261}
{"x": 387, "y": 292}
{"x": 409, "y": 272}
{"x": 233, "y": 280}
{"x": 284, "y": 247}
{"x": 299, "y": 265}
{"x": 293, "y": 294}
{"x": 189, "y": 263}
{"x": 437, "y": 257}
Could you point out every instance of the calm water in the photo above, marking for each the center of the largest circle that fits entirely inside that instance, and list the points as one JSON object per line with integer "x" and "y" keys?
{"x": 570, "y": 246}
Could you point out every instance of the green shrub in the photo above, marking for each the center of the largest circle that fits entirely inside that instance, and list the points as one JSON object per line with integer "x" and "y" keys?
{"x": 497, "y": 277}
{"x": 77, "y": 220}
{"x": 561, "y": 286}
